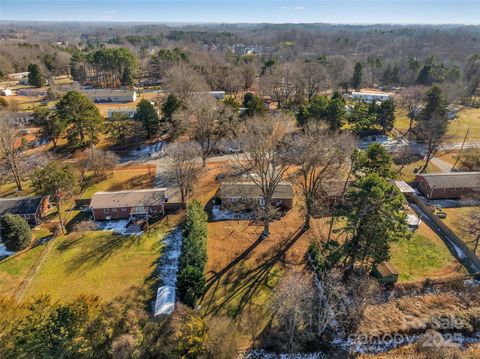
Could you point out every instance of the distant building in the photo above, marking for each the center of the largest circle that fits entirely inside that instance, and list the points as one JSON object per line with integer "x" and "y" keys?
{"x": 32, "y": 92}
{"x": 369, "y": 96}
{"x": 30, "y": 208}
{"x": 218, "y": 95}
{"x": 452, "y": 185}
{"x": 106, "y": 95}
{"x": 6, "y": 92}
{"x": 244, "y": 195}
{"x": 18, "y": 75}
{"x": 128, "y": 204}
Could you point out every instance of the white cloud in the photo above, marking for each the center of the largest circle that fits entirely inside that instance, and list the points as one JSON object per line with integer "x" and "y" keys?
{"x": 295, "y": 8}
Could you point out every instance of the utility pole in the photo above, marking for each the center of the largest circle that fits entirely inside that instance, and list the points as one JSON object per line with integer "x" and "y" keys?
{"x": 461, "y": 149}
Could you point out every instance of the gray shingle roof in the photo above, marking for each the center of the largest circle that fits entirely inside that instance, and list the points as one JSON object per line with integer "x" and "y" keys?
{"x": 19, "y": 205}
{"x": 284, "y": 190}
{"x": 129, "y": 198}
{"x": 452, "y": 179}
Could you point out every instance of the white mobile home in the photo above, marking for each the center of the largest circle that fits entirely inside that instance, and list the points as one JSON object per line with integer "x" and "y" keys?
{"x": 99, "y": 96}
{"x": 369, "y": 96}
{"x": 18, "y": 75}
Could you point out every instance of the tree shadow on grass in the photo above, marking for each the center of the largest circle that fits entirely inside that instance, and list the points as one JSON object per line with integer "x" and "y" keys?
{"x": 98, "y": 250}
{"x": 249, "y": 282}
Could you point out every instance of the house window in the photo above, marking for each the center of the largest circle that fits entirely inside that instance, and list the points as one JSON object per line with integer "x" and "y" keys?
{"x": 27, "y": 216}
{"x": 105, "y": 210}
{"x": 232, "y": 199}
{"x": 124, "y": 209}
{"x": 261, "y": 201}
{"x": 114, "y": 209}
{"x": 244, "y": 199}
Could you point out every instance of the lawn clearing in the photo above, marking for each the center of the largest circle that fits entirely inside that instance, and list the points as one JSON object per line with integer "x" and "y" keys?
{"x": 122, "y": 179}
{"x": 14, "y": 268}
{"x": 454, "y": 218}
{"x": 423, "y": 256}
{"x": 97, "y": 263}
{"x": 407, "y": 173}
{"x": 467, "y": 118}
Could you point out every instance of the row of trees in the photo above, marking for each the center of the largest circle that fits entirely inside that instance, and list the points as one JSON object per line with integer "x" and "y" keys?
{"x": 193, "y": 258}
{"x": 105, "y": 67}
{"x": 362, "y": 116}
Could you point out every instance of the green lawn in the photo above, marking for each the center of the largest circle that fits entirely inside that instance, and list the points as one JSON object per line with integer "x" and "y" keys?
{"x": 13, "y": 269}
{"x": 467, "y": 118}
{"x": 421, "y": 257}
{"x": 93, "y": 263}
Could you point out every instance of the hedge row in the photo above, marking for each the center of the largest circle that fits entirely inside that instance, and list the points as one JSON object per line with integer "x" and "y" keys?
{"x": 193, "y": 258}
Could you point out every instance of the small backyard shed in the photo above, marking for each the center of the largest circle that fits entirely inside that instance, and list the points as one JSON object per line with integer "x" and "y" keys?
{"x": 386, "y": 273}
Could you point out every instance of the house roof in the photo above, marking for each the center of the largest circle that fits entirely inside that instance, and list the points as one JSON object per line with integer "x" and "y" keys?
{"x": 452, "y": 179}
{"x": 386, "y": 268}
{"x": 107, "y": 92}
{"x": 19, "y": 205}
{"x": 371, "y": 93}
{"x": 284, "y": 190}
{"x": 129, "y": 198}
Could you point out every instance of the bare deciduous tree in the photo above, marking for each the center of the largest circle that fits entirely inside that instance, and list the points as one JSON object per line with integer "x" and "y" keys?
{"x": 313, "y": 78}
{"x": 320, "y": 156}
{"x": 182, "y": 158}
{"x": 100, "y": 162}
{"x": 412, "y": 101}
{"x": 184, "y": 81}
{"x": 340, "y": 70}
{"x": 9, "y": 148}
{"x": 470, "y": 227}
{"x": 248, "y": 73}
{"x": 294, "y": 303}
{"x": 209, "y": 122}
{"x": 265, "y": 158}
{"x": 280, "y": 84}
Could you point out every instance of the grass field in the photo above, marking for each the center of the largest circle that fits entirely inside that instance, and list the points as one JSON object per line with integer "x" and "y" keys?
{"x": 454, "y": 218}
{"x": 423, "y": 256}
{"x": 467, "y": 118}
{"x": 92, "y": 263}
{"x": 407, "y": 173}
{"x": 13, "y": 269}
{"x": 123, "y": 178}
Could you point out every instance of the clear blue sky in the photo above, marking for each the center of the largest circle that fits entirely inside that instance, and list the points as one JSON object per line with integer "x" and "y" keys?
{"x": 231, "y": 11}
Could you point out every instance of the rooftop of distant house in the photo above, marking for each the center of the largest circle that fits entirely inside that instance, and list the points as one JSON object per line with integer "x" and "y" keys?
{"x": 19, "y": 205}
{"x": 452, "y": 179}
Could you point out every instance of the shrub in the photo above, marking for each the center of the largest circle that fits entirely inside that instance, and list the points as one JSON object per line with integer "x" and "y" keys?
{"x": 190, "y": 285}
{"x": 15, "y": 232}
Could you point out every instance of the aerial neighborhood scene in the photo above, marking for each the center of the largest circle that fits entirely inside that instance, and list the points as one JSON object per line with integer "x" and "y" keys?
{"x": 225, "y": 179}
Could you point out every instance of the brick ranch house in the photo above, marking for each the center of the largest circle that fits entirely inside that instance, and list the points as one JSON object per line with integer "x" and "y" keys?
{"x": 31, "y": 209}
{"x": 245, "y": 195}
{"x": 451, "y": 185}
{"x": 129, "y": 204}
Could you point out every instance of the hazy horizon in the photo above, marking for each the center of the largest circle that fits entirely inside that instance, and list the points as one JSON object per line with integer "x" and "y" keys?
{"x": 354, "y": 12}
